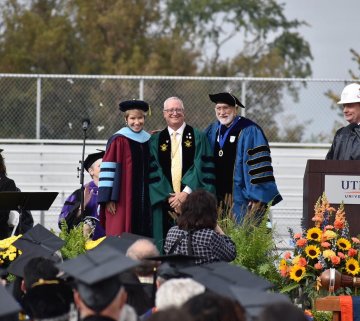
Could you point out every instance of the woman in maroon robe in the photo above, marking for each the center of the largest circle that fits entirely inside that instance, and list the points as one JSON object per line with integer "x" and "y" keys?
{"x": 123, "y": 186}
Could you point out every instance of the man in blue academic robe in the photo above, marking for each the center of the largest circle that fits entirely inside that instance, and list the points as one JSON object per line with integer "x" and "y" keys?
{"x": 244, "y": 174}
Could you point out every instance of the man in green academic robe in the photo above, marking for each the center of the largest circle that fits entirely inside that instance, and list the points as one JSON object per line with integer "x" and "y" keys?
{"x": 196, "y": 167}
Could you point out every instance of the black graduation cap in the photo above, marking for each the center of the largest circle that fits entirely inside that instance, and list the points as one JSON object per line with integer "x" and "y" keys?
{"x": 222, "y": 274}
{"x": 17, "y": 266}
{"x": 134, "y": 104}
{"x": 97, "y": 275}
{"x": 92, "y": 158}
{"x": 177, "y": 261}
{"x": 8, "y": 305}
{"x": 48, "y": 299}
{"x": 239, "y": 275}
{"x": 226, "y": 98}
{"x": 255, "y": 300}
{"x": 40, "y": 241}
{"x": 98, "y": 264}
{"x": 123, "y": 242}
{"x": 172, "y": 264}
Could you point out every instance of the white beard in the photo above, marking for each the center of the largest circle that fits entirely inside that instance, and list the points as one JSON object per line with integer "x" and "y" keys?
{"x": 227, "y": 121}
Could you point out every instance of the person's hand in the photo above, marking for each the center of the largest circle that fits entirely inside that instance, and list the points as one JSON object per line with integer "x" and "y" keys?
{"x": 87, "y": 230}
{"x": 87, "y": 195}
{"x": 111, "y": 207}
{"x": 176, "y": 199}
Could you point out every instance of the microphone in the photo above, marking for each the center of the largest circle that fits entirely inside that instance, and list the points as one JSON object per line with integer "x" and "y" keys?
{"x": 85, "y": 123}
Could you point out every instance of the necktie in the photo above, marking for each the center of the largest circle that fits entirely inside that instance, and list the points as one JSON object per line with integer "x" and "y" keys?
{"x": 176, "y": 163}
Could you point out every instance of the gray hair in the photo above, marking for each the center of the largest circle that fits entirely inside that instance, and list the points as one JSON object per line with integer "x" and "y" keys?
{"x": 176, "y": 292}
{"x": 173, "y": 98}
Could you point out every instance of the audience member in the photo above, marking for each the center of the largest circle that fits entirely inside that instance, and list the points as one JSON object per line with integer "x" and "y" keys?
{"x": 175, "y": 292}
{"x": 48, "y": 300}
{"x": 38, "y": 268}
{"x": 198, "y": 233}
{"x": 71, "y": 211}
{"x": 141, "y": 250}
{"x": 214, "y": 307}
{"x": 124, "y": 182}
{"x": 282, "y": 311}
{"x": 46, "y": 296}
{"x": 99, "y": 291}
{"x": 9, "y": 307}
{"x": 244, "y": 174}
{"x": 181, "y": 162}
{"x": 170, "y": 314}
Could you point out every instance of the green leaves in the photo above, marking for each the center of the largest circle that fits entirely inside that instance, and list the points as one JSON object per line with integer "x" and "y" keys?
{"x": 255, "y": 245}
{"x": 74, "y": 241}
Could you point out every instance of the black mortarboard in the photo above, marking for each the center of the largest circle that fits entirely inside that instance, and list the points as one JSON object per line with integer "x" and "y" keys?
{"x": 48, "y": 299}
{"x": 177, "y": 261}
{"x": 226, "y": 98}
{"x": 98, "y": 264}
{"x": 218, "y": 276}
{"x": 172, "y": 264}
{"x": 97, "y": 274}
{"x": 8, "y": 305}
{"x": 39, "y": 240}
{"x": 92, "y": 158}
{"x": 238, "y": 275}
{"x": 255, "y": 300}
{"x": 17, "y": 266}
{"x": 123, "y": 242}
{"x": 134, "y": 104}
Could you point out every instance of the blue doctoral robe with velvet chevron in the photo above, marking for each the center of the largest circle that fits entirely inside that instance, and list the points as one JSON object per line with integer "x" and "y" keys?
{"x": 250, "y": 165}
{"x": 124, "y": 180}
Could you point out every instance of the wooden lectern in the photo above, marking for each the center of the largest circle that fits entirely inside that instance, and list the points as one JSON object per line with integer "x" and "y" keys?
{"x": 329, "y": 303}
{"x": 314, "y": 186}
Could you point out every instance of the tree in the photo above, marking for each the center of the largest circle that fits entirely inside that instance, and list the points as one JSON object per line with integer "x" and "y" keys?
{"x": 269, "y": 47}
{"x": 155, "y": 37}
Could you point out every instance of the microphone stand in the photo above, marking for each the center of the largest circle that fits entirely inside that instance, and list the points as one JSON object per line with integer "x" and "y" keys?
{"x": 85, "y": 125}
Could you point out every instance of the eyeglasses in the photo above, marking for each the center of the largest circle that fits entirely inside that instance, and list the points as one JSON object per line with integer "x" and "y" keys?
{"x": 173, "y": 111}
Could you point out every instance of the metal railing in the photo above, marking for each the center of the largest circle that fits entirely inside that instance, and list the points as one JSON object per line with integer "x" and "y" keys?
{"x": 53, "y": 106}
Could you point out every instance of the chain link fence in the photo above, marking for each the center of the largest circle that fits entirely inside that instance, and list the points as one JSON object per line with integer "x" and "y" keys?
{"x": 53, "y": 106}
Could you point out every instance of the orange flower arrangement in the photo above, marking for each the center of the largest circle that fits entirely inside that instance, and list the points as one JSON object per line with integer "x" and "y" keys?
{"x": 326, "y": 245}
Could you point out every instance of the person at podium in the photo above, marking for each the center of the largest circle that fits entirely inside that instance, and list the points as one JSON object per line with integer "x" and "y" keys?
{"x": 346, "y": 143}
{"x": 6, "y": 185}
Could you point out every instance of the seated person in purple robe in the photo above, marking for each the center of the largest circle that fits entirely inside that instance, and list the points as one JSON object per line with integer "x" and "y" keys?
{"x": 71, "y": 211}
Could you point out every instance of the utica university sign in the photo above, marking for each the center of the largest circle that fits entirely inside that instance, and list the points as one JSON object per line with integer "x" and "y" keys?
{"x": 342, "y": 188}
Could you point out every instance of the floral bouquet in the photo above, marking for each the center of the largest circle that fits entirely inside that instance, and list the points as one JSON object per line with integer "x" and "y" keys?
{"x": 8, "y": 252}
{"x": 326, "y": 245}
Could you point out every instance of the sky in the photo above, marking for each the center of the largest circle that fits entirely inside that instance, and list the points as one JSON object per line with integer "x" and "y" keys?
{"x": 334, "y": 29}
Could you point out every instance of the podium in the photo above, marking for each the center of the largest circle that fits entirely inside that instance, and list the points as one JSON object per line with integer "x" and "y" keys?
{"x": 36, "y": 201}
{"x": 24, "y": 201}
{"x": 329, "y": 303}
{"x": 342, "y": 179}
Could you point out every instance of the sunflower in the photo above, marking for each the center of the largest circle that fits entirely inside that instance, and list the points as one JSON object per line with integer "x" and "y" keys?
{"x": 297, "y": 273}
{"x": 343, "y": 244}
{"x": 312, "y": 251}
{"x": 352, "y": 266}
{"x": 314, "y": 234}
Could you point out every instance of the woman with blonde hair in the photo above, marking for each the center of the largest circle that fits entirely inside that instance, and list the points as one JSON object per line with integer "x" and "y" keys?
{"x": 124, "y": 184}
